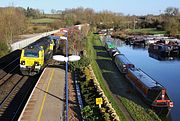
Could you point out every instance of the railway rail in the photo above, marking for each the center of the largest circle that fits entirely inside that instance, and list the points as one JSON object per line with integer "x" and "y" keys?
{"x": 14, "y": 87}
{"x": 8, "y": 70}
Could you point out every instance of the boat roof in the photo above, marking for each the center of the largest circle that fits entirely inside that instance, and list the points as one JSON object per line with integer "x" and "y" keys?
{"x": 109, "y": 42}
{"x": 123, "y": 59}
{"x": 144, "y": 78}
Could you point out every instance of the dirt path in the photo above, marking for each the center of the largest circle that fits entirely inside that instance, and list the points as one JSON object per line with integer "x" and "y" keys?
{"x": 74, "y": 110}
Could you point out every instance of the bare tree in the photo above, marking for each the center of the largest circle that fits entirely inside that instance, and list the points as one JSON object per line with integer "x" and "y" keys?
{"x": 12, "y": 23}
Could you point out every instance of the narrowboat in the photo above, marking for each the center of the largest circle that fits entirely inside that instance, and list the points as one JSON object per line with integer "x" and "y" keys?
{"x": 113, "y": 52}
{"x": 122, "y": 63}
{"x": 160, "y": 49}
{"x": 109, "y": 45}
{"x": 152, "y": 92}
{"x": 164, "y": 49}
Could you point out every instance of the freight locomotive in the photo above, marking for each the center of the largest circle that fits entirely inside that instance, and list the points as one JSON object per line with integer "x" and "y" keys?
{"x": 34, "y": 57}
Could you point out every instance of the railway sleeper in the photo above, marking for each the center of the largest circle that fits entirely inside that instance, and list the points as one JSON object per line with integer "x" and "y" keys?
{"x": 9, "y": 99}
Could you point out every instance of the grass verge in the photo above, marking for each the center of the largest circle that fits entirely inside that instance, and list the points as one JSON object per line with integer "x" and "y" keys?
{"x": 91, "y": 41}
{"x": 139, "y": 113}
{"x": 116, "y": 82}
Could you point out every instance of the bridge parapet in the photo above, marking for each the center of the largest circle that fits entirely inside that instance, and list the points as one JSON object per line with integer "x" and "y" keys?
{"x": 23, "y": 43}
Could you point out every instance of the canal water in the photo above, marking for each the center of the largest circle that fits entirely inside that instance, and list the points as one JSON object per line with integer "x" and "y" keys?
{"x": 166, "y": 72}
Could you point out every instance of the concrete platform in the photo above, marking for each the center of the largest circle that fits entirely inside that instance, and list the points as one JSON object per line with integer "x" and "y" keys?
{"x": 46, "y": 102}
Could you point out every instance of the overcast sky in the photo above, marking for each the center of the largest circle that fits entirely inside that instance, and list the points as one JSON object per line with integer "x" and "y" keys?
{"x": 132, "y": 7}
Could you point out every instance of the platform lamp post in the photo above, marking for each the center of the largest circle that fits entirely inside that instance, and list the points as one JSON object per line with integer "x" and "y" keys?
{"x": 66, "y": 59}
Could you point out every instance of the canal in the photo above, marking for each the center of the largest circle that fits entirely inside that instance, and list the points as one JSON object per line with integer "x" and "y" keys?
{"x": 166, "y": 72}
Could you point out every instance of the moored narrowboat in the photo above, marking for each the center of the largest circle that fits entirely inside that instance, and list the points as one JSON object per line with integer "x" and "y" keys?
{"x": 153, "y": 92}
{"x": 160, "y": 49}
{"x": 122, "y": 63}
{"x": 113, "y": 52}
{"x": 109, "y": 45}
{"x": 164, "y": 49}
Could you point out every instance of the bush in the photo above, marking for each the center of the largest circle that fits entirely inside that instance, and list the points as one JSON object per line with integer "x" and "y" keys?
{"x": 37, "y": 29}
{"x": 87, "y": 113}
{"x": 56, "y": 24}
{"x": 3, "y": 49}
{"x": 106, "y": 115}
{"x": 90, "y": 112}
{"x": 81, "y": 64}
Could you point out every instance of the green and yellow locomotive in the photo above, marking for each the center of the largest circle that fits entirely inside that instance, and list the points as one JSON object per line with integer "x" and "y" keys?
{"x": 34, "y": 57}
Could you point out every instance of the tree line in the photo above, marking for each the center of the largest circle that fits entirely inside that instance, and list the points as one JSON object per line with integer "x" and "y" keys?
{"x": 15, "y": 20}
{"x": 168, "y": 21}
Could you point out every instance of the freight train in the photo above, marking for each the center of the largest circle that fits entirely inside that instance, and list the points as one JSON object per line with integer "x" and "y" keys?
{"x": 35, "y": 56}
{"x": 152, "y": 92}
{"x": 56, "y": 42}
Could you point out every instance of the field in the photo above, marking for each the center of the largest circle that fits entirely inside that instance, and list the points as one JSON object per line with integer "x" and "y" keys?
{"x": 42, "y": 21}
{"x": 53, "y": 16}
{"x": 146, "y": 31}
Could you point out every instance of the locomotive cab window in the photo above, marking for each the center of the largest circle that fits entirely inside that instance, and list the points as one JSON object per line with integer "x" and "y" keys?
{"x": 29, "y": 53}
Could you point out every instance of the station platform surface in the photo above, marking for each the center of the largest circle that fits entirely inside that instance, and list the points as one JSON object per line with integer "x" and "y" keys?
{"x": 46, "y": 102}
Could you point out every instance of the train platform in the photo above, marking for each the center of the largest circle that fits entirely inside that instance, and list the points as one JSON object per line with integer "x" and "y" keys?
{"x": 46, "y": 102}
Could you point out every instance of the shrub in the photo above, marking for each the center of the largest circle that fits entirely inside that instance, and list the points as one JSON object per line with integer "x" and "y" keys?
{"x": 106, "y": 115}
{"x": 3, "y": 49}
{"x": 81, "y": 64}
{"x": 90, "y": 114}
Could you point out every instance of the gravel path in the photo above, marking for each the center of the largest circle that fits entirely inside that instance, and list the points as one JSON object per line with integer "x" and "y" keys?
{"x": 74, "y": 110}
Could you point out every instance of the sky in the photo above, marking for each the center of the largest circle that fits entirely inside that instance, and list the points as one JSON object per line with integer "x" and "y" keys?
{"x": 131, "y": 7}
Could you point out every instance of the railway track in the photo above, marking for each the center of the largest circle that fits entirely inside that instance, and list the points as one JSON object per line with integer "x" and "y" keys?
{"x": 9, "y": 58}
{"x": 8, "y": 70}
{"x": 14, "y": 87}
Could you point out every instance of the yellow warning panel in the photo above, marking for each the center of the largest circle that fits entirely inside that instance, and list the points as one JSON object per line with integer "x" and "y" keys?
{"x": 99, "y": 101}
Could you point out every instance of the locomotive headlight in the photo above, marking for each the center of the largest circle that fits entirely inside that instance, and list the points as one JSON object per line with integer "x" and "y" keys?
{"x": 22, "y": 62}
{"x": 36, "y": 63}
